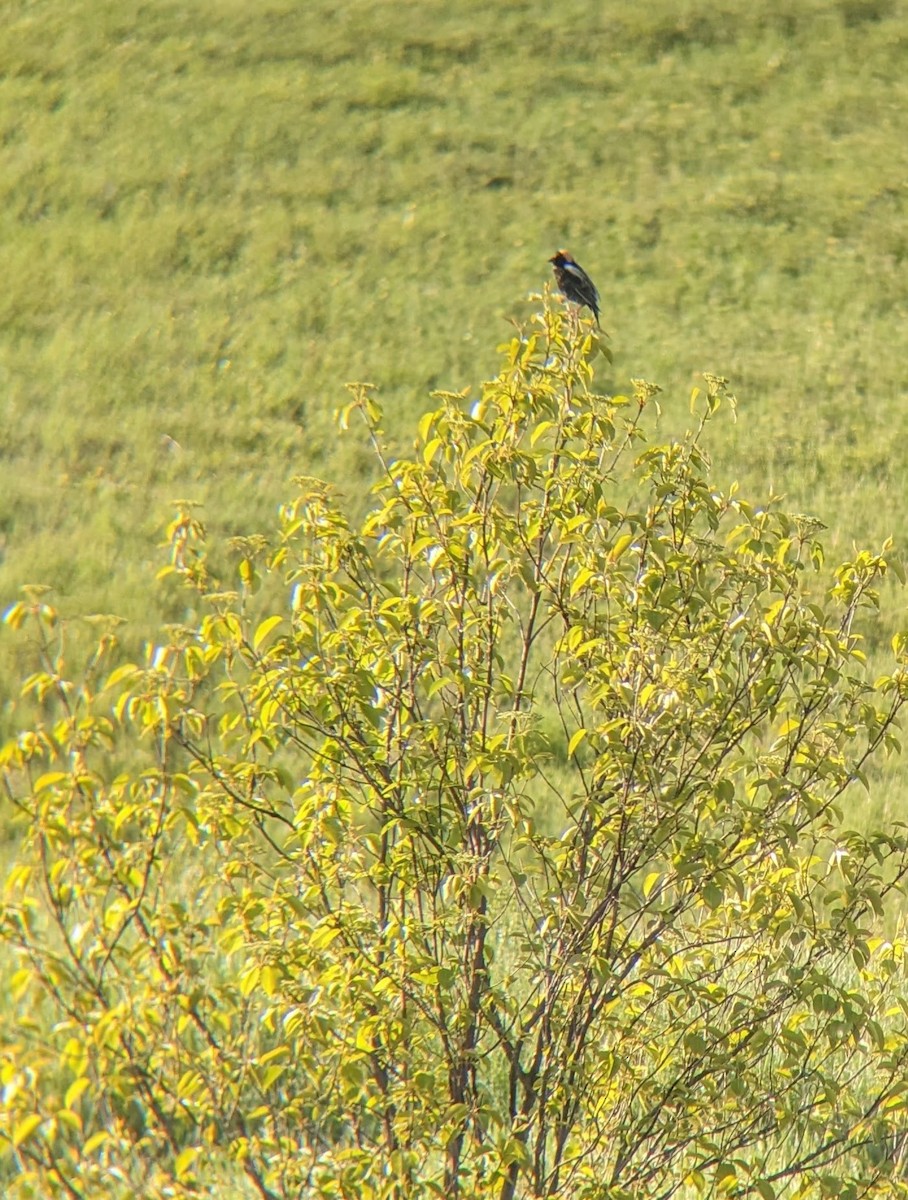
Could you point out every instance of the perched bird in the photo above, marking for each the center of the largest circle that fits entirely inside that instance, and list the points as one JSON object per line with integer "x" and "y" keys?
{"x": 574, "y": 283}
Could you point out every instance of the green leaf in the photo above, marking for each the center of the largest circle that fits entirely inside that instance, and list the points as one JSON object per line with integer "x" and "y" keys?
{"x": 515, "y": 1151}
{"x": 713, "y": 895}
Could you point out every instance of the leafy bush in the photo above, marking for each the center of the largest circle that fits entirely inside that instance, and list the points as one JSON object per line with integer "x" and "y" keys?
{"x": 505, "y": 856}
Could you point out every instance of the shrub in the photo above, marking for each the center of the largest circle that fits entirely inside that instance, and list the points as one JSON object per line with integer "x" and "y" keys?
{"x": 503, "y": 855}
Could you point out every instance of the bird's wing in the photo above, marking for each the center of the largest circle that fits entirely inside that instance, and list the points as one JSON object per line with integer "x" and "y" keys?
{"x": 586, "y": 284}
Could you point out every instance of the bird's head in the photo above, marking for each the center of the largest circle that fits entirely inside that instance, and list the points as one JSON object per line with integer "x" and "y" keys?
{"x": 561, "y": 258}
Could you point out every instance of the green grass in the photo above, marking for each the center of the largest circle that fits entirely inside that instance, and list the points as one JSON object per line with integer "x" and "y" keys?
{"x": 214, "y": 215}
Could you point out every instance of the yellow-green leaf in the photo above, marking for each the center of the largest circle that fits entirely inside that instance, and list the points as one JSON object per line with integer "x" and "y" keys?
{"x": 15, "y": 614}
{"x": 264, "y": 629}
{"x": 184, "y": 1161}
{"x": 95, "y": 1141}
{"x": 75, "y": 1090}
{"x": 431, "y": 450}
{"x": 49, "y": 780}
{"x": 26, "y": 1128}
{"x": 248, "y": 979}
{"x": 270, "y": 979}
{"x": 650, "y": 882}
{"x": 323, "y": 937}
{"x": 124, "y": 671}
{"x": 575, "y": 741}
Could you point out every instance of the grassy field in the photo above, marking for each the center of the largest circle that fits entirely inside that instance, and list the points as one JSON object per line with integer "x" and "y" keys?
{"x": 213, "y": 216}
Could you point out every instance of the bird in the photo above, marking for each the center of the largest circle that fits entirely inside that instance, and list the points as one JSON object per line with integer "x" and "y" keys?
{"x": 574, "y": 283}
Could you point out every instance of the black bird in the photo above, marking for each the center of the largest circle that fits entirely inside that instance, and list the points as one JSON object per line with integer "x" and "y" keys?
{"x": 574, "y": 283}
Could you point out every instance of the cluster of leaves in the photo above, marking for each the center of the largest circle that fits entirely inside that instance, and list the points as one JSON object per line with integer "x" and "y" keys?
{"x": 504, "y": 856}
